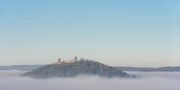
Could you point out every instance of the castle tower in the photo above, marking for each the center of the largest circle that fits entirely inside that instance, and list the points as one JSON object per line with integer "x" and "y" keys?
{"x": 75, "y": 59}
{"x": 59, "y": 60}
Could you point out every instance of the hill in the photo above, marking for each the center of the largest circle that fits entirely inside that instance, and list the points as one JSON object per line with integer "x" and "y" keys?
{"x": 86, "y": 67}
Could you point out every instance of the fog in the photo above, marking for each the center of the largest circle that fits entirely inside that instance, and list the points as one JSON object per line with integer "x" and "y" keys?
{"x": 12, "y": 80}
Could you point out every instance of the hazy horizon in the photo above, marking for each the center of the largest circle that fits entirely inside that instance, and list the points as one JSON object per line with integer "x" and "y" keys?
{"x": 140, "y": 33}
{"x": 100, "y": 62}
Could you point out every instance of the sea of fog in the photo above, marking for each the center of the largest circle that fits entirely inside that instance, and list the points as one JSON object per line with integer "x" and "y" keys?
{"x": 12, "y": 80}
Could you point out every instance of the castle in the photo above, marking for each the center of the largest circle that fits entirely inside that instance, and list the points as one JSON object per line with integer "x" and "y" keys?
{"x": 59, "y": 61}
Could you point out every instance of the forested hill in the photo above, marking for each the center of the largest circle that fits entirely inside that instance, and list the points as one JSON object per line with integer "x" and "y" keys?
{"x": 86, "y": 67}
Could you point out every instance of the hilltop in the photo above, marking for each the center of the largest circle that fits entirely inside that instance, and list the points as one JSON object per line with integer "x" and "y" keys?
{"x": 87, "y": 67}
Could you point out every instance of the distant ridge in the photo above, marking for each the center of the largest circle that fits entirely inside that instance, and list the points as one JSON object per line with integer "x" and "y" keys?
{"x": 20, "y": 67}
{"x": 146, "y": 69}
{"x": 86, "y": 67}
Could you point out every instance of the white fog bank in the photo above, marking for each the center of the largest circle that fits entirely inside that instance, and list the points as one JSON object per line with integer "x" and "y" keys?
{"x": 11, "y": 80}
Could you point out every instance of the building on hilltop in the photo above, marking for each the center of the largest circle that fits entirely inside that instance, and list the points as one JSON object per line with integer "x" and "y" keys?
{"x": 59, "y": 61}
{"x": 75, "y": 58}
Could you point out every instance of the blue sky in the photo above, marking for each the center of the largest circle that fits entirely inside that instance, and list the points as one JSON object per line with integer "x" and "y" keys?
{"x": 116, "y": 32}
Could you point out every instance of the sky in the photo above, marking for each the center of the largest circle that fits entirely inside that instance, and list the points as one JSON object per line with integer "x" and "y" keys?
{"x": 114, "y": 32}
